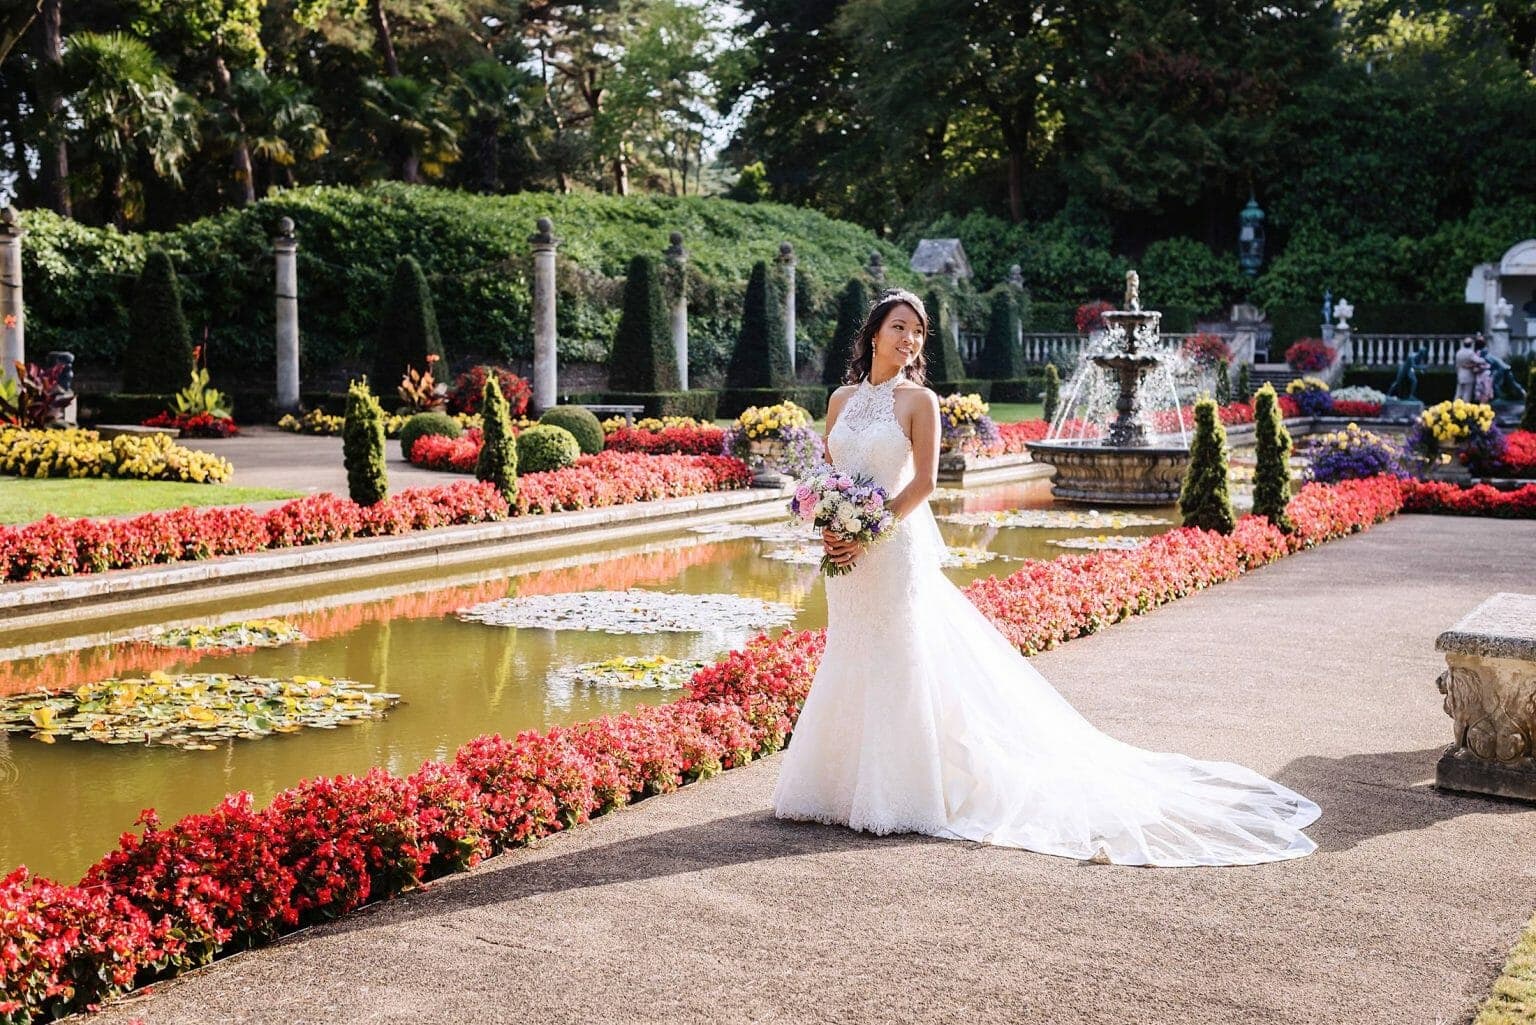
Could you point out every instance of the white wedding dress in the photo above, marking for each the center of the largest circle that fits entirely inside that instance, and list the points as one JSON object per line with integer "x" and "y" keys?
{"x": 923, "y": 718}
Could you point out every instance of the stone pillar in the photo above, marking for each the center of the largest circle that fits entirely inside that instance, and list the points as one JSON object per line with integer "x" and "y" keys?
{"x": 544, "y": 352}
{"x": 285, "y": 256}
{"x": 13, "y": 316}
{"x": 677, "y": 259}
{"x": 1491, "y": 296}
{"x": 876, "y": 269}
{"x": 1498, "y": 332}
{"x": 1246, "y": 319}
{"x": 787, "y": 261}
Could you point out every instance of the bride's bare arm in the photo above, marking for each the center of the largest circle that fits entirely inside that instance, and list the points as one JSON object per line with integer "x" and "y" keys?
{"x": 921, "y": 418}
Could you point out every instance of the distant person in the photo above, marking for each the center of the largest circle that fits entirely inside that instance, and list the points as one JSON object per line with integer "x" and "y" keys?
{"x": 1466, "y": 369}
{"x": 1482, "y": 372}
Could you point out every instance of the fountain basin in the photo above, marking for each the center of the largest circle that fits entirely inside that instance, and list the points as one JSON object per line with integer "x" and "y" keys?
{"x": 1093, "y": 473}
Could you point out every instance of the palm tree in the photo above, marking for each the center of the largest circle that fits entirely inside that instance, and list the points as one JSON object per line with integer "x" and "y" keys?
{"x": 272, "y": 120}
{"x": 124, "y": 112}
{"x": 408, "y": 119}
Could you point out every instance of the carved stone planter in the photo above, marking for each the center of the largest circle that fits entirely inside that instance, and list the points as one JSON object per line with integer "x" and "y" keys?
{"x": 767, "y": 458}
{"x": 1490, "y": 694}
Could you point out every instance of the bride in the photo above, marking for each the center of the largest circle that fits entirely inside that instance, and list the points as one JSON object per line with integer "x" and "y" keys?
{"x": 923, "y": 718}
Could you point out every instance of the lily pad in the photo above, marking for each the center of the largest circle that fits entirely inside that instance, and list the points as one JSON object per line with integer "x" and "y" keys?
{"x": 631, "y": 612}
{"x": 1054, "y": 519}
{"x": 1101, "y": 542}
{"x": 190, "y": 710}
{"x": 954, "y": 557}
{"x": 255, "y": 633}
{"x": 630, "y": 672}
{"x": 778, "y": 533}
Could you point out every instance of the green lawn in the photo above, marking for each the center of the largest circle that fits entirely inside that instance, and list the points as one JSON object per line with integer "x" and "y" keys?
{"x": 23, "y": 500}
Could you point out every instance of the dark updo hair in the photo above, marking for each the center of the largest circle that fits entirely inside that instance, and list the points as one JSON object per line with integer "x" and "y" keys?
{"x": 862, "y": 359}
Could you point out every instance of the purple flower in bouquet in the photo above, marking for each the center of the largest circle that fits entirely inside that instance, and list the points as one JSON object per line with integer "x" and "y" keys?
{"x": 852, "y": 508}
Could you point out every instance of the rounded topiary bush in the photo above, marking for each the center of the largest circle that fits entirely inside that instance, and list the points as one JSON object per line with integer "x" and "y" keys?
{"x": 580, "y": 421}
{"x": 427, "y": 423}
{"x": 546, "y": 447}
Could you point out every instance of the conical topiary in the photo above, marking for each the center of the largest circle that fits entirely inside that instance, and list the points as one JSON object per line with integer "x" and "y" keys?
{"x": 1272, "y": 475}
{"x": 1001, "y": 359}
{"x": 944, "y": 366}
{"x": 1052, "y": 397}
{"x": 159, "y": 357}
{"x": 1223, "y": 382}
{"x": 1244, "y": 382}
{"x": 362, "y": 446}
{"x": 1528, "y": 420}
{"x": 643, "y": 358}
{"x": 407, "y": 331}
{"x": 761, "y": 358}
{"x": 498, "y": 446}
{"x": 1205, "y": 501}
{"x": 852, "y": 308}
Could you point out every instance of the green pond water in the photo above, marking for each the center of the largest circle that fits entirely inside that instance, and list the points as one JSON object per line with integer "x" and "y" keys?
{"x": 63, "y": 805}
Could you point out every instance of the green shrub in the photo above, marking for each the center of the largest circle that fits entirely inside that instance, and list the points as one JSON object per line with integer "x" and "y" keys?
{"x": 1185, "y": 274}
{"x": 1019, "y": 389}
{"x": 1272, "y": 475}
{"x": 1052, "y": 398}
{"x": 362, "y": 446}
{"x": 580, "y": 423}
{"x": 546, "y": 447}
{"x": 159, "y": 355}
{"x": 852, "y": 308}
{"x": 945, "y": 370}
{"x": 1205, "y": 501}
{"x": 1001, "y": 358}
{"x": 1244, "y": 382}
{"x": 407, "y": 330}
{"x": 643, "y": 358}
{"x": 761, "y": 359}
{"x": 1223, "y": 382}
{"x": 497, "y": 462}
{"x": 423, "y": 424}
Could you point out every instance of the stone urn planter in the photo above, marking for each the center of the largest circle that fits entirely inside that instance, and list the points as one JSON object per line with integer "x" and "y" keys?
{"x": 767, "y": 457}
{"x": 1490, "y": 694}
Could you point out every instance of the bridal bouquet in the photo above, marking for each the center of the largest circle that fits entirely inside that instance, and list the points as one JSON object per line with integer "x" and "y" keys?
{"x": 854, "y": 508}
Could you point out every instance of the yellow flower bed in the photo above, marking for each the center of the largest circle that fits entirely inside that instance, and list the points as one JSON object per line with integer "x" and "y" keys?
{"x": 1350, "y": 437}
{"x": 962, "y": 409}
{"x": 766, "y": 421}
{"x": 78, "y": 453}
{"x": 1302, "y": 384}
{"x": 1455, "y": 421}
{"x": 651, "y": 423}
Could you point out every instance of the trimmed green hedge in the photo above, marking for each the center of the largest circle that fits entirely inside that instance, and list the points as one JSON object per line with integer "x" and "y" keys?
{"x": 698, "y": 403}
{"x": 474, "y": 250}
{"x": 812, "y": 398}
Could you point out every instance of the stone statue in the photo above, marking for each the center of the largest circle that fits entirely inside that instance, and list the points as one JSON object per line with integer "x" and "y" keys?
{"x": 1408, "y": 375}
{"x": 1343, "y": 309}
{"x": 1502, "y": 376}
{"x": 1327, "y": 306}
{"x": 1501, "y": 312}
{"x": 1132, "y": 290}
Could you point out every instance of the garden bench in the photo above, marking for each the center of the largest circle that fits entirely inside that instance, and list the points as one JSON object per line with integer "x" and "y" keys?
{"x": 1490, "y": 694}
{"x": 627, "y": 410}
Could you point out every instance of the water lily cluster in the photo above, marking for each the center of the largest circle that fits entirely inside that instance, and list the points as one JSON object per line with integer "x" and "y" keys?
{"x": 1352, "y": 454}
{"x": 54, "y": 546}
{"x": 79, "y": 453}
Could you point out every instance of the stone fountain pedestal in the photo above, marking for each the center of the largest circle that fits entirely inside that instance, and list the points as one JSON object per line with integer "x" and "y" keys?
{"x": 1490, "y": 694}
{"x": 1087, "y": 472}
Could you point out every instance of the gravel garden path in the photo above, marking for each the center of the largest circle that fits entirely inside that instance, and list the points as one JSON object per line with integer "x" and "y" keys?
{"x": 701, "y": 907}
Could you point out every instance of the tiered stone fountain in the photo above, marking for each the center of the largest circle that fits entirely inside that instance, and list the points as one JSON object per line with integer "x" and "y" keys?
{"x": 1122, "y": 463}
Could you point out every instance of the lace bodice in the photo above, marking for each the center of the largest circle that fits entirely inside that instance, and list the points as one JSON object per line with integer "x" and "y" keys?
{"x": 867, "y": 439}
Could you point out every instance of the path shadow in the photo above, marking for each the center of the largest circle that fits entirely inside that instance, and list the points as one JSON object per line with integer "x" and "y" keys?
{"x": 718, "y": 843}
{"x": 1364, "y": 796}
